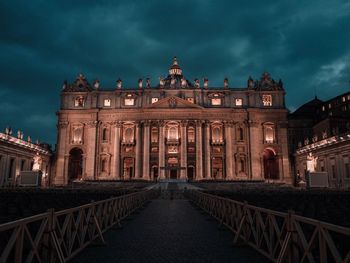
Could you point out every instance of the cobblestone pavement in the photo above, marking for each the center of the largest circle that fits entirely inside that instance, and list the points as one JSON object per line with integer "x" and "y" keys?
{"x": 169, "y": 231}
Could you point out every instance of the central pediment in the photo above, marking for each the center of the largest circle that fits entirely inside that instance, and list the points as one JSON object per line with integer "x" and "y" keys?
{"x": 173, "y": 102}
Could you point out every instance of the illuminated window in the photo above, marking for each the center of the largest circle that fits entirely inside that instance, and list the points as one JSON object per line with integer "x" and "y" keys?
{"x": 129, "y": 102}
{"x": 216, "y": 101}
{"x": 238, "y": 102}
{"x": 190, "y": 100}
{"x": 172, "y": 133}
{"x": 107, "y": 102}
{"x": 217, "y": 134}
{"x": 190, "y": 134}
{"x": 154, "y": 100}
{"x": 343, "y": 99}
{"x": 154, "y": 134}
{"x": 79, "y": 101}
{"x": 269, "y": 133}
{"x": 323, "y": 108}
{"x": 267, "y": 100}
{"x": 329, "y": 106}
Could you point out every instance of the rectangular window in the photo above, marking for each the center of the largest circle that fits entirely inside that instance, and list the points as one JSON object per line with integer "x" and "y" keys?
{"x": 107, "y": 102}
{"x": 154, "y": 100}
{"x": 216, "y": 102}
{"x": 129, "y": 102}
{"x": 22, "y": 164}
{"x": 238, "y": 102}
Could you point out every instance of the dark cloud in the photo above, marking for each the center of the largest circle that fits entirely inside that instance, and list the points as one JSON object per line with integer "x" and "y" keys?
{"x": 42, "y": 43}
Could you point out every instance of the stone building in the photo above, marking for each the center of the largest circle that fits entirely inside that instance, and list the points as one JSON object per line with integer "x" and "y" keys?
{"x": 322, "y": 128}
{"x": 173, "y": 129}
{"x": 17, "y": 154}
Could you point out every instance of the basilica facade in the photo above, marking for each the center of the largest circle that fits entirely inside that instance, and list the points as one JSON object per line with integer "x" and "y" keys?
{"x": 173, "y": 128}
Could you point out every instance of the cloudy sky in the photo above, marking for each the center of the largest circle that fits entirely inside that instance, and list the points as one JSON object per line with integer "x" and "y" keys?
{"x": 306, "y": 43}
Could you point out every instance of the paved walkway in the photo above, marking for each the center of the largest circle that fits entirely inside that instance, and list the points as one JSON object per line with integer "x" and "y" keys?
{"x": 169, "y": 231}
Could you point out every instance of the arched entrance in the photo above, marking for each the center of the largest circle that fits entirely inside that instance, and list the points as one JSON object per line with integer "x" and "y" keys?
{"x": 75, "y": 165}
{"x": 270, "y": 164}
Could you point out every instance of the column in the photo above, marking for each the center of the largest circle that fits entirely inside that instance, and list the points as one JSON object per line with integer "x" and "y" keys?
{"x": 207, "y": 156}
{"x": 138, "y": 152}
{"x": 161, "y": 151}
{"x": 228, "y": 151}
{"x": 199, "y": 152}
{"x": 116, "y": 154}
{"x": 183, "y": 171}
{"x": 146, "y": 150}
{"x": 91, "y": 129}
{"x": 63, "y": 140}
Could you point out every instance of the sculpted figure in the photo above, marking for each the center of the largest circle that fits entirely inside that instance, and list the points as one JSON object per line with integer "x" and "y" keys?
{"x": 148, "y": 83}
{"x": 97, "y": 84}
{"x": 205, "y": 84}
{"x": 19, "y": 134}
{"x": 311, "y": 162}
{"x": 37, "y": 162}
{"x": 183, "y": 83}
{"x": 226, "y": 83}
{"x": 161, "y": 81}
{"x": 250, "y": 82}
{"x": 172, "y": 81}
{"x": 119, "y": 84}
{"x": 140, "y": 83}
{"x": 196, "y": 83}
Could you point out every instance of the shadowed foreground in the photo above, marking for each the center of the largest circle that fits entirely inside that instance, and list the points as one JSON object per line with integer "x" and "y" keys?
{"x": 169, "y": 231}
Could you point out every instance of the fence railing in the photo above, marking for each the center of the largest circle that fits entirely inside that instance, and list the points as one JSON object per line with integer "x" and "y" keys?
{"x": 282, "y": 237}
{"x": 59, "y": 236}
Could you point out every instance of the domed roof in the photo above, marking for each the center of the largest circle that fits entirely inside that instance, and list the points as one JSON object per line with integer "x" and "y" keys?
{"x": 175, "y": 68}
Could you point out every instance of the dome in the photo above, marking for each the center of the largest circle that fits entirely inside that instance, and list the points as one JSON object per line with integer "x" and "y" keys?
{"x": 175, "y": 68}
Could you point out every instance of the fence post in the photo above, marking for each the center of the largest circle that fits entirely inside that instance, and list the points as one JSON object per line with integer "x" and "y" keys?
{"x": 290, "y": 240}
{"x": 241, "y": 225}
{"x": 52, "y": 240}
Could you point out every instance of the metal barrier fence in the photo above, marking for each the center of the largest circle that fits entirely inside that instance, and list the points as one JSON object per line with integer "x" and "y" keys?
{"x": 59, "y": 236}
{"x": 282, "y": 237}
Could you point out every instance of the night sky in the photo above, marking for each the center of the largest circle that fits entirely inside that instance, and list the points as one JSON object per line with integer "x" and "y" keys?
{"x": 306, "y": 43}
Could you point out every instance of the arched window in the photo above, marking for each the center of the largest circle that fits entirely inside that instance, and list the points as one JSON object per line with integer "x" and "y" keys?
{"x": 216, "y": 134}
{"x": 269, "y": 133}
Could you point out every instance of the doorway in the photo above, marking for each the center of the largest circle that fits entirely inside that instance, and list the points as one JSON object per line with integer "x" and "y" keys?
{"x": 75, "y": 164}
{"x": 270, "y": 164}
{"x": 173, "y": 174}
